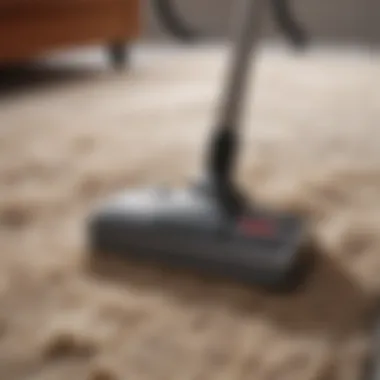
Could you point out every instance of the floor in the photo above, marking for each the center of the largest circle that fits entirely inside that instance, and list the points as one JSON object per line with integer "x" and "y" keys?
{"x": 72, "y": 132}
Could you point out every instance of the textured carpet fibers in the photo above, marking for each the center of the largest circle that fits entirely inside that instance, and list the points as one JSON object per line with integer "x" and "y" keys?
{"x": 72, "y": 134}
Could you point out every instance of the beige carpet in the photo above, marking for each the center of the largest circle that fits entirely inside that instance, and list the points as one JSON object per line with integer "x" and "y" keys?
{"x": 73, "y": 134}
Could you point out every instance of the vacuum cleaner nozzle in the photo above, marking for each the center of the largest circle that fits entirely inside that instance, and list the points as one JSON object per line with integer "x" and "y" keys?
{"x": 191, "y": 228}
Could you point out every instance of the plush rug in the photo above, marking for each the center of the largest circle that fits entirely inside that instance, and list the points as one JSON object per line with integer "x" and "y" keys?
{"x": 74, "y": 131}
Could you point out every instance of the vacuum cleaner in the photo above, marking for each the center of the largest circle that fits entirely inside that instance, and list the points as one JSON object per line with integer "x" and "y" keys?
{"x": 210, "y": 226}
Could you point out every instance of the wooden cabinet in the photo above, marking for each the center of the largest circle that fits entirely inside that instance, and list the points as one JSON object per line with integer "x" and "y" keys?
{"x": 32, "y": 27}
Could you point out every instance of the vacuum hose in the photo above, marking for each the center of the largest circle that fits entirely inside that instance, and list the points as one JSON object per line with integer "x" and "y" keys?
{"x": 173, "y": 23}
{"x": 288, "y": 24}
{"x": 169, "y": 16}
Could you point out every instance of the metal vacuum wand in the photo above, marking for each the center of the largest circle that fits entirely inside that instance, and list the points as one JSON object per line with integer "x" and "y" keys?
{"x": 248, "y": 33}
{"x": 224, "y": 143}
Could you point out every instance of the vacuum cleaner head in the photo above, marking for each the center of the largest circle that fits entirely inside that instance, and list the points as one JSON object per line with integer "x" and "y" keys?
{"x": 190, "y": 228}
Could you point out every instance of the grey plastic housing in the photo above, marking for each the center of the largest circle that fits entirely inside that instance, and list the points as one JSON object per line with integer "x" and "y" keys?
{"x": 189, "y": 228}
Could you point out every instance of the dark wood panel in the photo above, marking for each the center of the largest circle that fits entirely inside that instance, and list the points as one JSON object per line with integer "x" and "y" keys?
{"x": 96, "y": 21}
